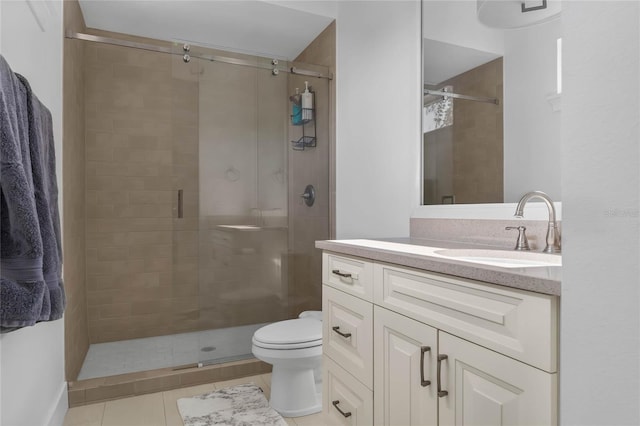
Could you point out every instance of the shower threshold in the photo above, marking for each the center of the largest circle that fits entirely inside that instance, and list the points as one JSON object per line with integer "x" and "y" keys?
{"x": 102, "y": 389}
{"x": 214, "y": 361}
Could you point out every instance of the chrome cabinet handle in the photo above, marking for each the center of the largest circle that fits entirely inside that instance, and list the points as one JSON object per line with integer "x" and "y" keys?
{"x": 337, "y": 330}
{"x": 423, "y": 382}
{"x": 335, "y": 404}
{"x": 441, "y": 392}
{"x": 341, "y": 274}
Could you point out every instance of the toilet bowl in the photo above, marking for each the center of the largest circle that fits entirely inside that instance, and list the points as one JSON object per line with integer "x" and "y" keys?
{"x": 294, "y": 348}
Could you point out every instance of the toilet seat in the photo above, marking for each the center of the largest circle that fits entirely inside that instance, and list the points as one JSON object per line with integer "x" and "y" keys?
{"x": 290, "y": 334}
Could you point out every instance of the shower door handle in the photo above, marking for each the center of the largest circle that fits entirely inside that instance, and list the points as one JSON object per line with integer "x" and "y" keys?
{"x": 180, "y": 202}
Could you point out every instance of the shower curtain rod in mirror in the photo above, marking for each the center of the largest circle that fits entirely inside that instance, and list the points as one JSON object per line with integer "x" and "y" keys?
{"x": 214, "y": 58}
{"x": 459, "y": 96}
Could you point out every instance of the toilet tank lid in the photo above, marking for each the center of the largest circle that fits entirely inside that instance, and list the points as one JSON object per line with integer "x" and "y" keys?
{"x": 316, "y": 315}
{"x": 290, "y": 331}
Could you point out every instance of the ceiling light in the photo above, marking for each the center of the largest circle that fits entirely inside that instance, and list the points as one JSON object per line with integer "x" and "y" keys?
{"x": 509, "y": 14}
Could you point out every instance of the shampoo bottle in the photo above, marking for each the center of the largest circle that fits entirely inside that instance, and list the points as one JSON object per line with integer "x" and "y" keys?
{"x": 296, "y": 108}
{"x": 307, "y": 103}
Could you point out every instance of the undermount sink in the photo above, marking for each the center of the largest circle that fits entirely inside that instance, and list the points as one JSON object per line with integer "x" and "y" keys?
{"x": 502, "y": 258}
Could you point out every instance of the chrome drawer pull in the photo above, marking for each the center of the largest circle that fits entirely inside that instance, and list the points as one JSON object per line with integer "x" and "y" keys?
{"x": 337, "y": 330}
{"x": 335, "y": 404}
{"x": 341, "y": 274}
{"x": 423, "y": 382}
{"x": 441, "y": 392}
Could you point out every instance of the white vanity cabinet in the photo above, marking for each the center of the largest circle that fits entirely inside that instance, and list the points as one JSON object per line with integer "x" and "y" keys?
{"x": 405, "y": 370}
{"x": 438, "y": 350}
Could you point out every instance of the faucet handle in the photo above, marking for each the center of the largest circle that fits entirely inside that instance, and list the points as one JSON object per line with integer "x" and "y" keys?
{"x": 522, "y": 243}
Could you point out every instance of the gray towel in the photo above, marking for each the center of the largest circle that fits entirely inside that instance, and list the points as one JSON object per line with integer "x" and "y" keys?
{"x": 30, "y": 250}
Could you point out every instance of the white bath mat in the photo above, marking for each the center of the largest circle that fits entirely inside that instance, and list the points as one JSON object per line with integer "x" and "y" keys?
{"x": 242, "y": 405}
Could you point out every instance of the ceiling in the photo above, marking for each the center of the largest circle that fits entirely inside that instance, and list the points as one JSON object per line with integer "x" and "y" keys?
{"x": 277, "y": 29}
{"x": 455, "y": 41}
{"x": 444, "y": 60}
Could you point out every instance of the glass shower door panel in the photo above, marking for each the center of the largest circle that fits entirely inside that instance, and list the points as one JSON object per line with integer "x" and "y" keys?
{"x": 269, "y": 277}
{"x": 242, "y": 205}
{"x": 228, "y": 176}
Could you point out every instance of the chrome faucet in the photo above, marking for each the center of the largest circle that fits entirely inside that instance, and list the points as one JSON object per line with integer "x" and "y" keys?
{"x": 553, "y": 234}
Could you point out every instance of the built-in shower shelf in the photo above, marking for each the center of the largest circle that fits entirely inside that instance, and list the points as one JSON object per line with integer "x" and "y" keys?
{"x": 304, "y": 142}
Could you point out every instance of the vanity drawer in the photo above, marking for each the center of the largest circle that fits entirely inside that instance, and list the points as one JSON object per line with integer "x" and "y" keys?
{"x": 519, "y": 324}
{"x": 352, "y": 396}
{"x": 348, "y": 333}
{"x": 349, "y": 274}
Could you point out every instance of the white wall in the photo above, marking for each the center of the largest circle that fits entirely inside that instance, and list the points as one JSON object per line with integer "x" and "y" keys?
{"x": 32, "y": 359}
{"x": 531, "y": 126}
{"x": 600, "y": 324}
{"x": 378, "y": 117}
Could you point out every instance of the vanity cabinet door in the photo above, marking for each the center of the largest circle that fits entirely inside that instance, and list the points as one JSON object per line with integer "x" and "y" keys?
{"x": 405, "y": 370}
{"x": 486, "y": 388}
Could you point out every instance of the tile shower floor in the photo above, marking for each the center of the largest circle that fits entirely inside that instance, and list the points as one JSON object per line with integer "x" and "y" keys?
{"x": 129, "y": 356}
{"x": 161, "y": 409}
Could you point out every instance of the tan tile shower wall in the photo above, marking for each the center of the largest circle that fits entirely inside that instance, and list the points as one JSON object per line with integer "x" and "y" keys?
{"x": 478, "y": 151}
{"x": 311, "y": 166}
{"x": 470, "y": 153}
{"x": 322, "y": 51}
{"x": 141, "y": 135}
{"x": 75, "y": 318}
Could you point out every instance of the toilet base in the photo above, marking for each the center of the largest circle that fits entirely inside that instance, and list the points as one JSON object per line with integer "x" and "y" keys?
{"x": 293, "y": 392}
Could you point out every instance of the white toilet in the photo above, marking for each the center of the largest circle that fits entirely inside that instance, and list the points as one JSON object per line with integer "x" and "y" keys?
{"x": 294, "y": 348}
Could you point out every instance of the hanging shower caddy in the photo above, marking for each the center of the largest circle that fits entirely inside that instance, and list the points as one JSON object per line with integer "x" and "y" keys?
{"x": 305, "y": 119}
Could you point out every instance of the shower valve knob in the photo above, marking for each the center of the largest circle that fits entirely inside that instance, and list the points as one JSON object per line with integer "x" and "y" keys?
{"x": 309, "y": 195}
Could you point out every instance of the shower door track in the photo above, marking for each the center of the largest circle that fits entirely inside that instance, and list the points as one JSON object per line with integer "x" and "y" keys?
{"x": 213, "y": 58}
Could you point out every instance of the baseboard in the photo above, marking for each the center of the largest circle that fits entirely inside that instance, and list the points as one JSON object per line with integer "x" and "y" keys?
{"x": 59, "y": 409}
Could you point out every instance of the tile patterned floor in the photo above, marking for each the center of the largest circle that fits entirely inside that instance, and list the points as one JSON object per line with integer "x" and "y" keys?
{"x": 161, "y": 409}
{"x": 129, "y": 356}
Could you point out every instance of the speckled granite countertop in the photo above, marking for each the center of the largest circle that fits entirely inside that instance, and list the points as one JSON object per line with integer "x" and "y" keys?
{"x": 541, "y": 279}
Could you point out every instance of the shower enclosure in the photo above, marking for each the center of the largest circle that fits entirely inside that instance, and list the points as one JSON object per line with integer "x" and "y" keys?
{"x": 196, "y": 234}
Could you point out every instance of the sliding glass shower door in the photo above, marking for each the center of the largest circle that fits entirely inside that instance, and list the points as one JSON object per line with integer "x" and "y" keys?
{"x": 196, "y": 234}
{"x": 230, "y": 225}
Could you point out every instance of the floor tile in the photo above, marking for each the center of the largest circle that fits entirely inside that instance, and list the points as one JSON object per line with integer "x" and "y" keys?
{"x": 86, "y": 415}
{"x": 241, "y": 381}
{"x": 144, "y": 410}
{"x": 290, "y": 421}
{"x": 171, "y": 413}
{"x": 312, "y": 420}
{"x": 266, "y": 378}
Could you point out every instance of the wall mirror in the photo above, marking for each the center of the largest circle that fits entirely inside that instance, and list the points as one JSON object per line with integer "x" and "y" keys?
{"x": 496, "y": 134}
